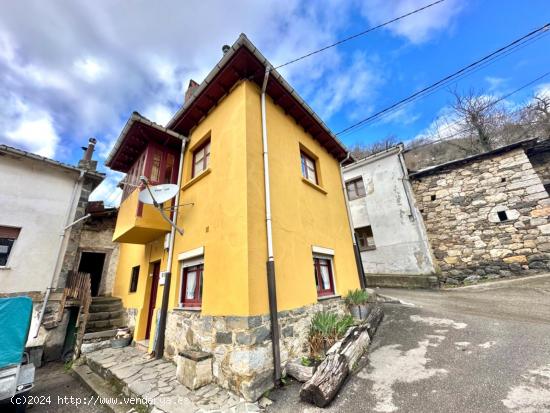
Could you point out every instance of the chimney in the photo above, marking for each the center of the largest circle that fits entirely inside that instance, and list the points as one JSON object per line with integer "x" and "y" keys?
{"x": 86, "y": 161}
{"x": 190, "y": 89}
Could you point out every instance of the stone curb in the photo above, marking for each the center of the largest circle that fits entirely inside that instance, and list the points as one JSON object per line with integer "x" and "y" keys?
{"x": 496, "y": 283}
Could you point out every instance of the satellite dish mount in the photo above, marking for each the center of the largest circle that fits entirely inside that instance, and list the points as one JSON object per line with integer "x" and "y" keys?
{"x": 157, "y": 195}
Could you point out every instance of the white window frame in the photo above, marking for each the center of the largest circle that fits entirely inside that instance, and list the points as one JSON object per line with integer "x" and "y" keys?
{"x": 326, "y": 254}
{"x": 188, "y": 259}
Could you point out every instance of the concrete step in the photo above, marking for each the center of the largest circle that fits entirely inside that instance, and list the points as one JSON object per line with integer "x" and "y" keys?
{"x": 100, "y": 325}
{"x": 102, "y": 308}
{"x": 105, "y": 315}
{"x": 402, "y": 281}
{"x": 106, "y": 300}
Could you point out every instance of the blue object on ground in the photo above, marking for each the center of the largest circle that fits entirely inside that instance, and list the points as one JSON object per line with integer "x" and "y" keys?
{"x": 15, "y": 321}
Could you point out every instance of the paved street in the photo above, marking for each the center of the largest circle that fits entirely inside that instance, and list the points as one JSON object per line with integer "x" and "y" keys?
{"x": 483, "y": 349}
{"x": 53, "y": 381}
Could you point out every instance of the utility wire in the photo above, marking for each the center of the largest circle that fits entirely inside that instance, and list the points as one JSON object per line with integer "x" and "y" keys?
{"x": 359, "y": 34}
{"x": 470, "y": 67}
{"x": 470, "y": 128}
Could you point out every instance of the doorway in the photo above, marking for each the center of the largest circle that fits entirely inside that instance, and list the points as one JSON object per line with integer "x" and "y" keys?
{"x": 152, "y": 298}
{"x": 92, "y": 263}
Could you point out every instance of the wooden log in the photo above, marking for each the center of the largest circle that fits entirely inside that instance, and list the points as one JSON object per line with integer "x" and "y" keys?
{"x": 373, "y": 320}
{"x": 327, "y": 380}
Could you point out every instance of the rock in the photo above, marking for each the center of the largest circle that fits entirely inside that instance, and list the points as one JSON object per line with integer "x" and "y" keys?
{"x": 451, "y": 281}
{"x": 472, "y": 279}
{"x": 264, "y": 402}
{"x": 224, "y": 338}
{"x": 520, "y": 259}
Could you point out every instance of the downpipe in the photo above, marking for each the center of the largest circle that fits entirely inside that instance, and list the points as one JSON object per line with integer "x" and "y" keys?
{"x": 356, "y": 252}
{"x": 158, "y": 349}
{"x": 271, "y": 284}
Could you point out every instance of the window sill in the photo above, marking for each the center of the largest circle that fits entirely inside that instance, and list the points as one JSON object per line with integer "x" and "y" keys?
{"x": 2, "y": 267}
{"x": 315, "y": 186}
{"x": 196, "y": 178}
{"x": 367, "y": 249}
{"x": 328, "y": 297}
{"x": 191, "y": 309}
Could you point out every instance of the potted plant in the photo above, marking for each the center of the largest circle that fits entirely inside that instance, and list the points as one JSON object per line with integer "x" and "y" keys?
{"x": 326, "y": 329}
{"x": 357, "y": 303}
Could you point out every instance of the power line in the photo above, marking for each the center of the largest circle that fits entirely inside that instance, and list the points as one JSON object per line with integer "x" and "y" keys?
{"x": 470, "y": 128}
{"x": 359, "y": 34}
{"x": 447, "y": 79}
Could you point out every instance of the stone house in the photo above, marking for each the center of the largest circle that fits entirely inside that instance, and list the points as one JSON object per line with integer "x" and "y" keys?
{"x": 43, "y": 203}
{"x": 266, "y": 238}
{"x": 487, "y": 215}
{"x": 389, "y": 228}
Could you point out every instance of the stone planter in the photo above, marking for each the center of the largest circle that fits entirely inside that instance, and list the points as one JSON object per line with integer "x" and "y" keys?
{"x": 359, "y": 311}
{"x": 194, "y": 369}
{"x": 302, "y": 373}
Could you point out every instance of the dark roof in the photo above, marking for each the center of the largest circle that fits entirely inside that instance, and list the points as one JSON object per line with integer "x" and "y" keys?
{"x": 8, "y": 150}
{"x": 526, "y": 144}
{"x": 244, "y": 61}
{"x": 135, "y": 137}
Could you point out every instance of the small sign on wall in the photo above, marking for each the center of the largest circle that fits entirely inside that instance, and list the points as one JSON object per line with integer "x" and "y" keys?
{"x": 162, "y": 277}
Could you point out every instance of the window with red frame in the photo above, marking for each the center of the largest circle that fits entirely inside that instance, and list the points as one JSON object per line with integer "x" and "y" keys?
{"x": 323, "y": 276}
{"x": 309, "y": 169}
{"x": 191, "y": 290}
{"x": 201, "y": 158}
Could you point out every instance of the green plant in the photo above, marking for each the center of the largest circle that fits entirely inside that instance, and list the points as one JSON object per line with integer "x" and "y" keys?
{"x": 306, "y": 361}
{"x": 326, "y": 328}
{"x": 356, "y": 297}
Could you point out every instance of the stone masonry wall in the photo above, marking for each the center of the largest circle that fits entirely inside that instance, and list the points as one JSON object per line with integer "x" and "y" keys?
{"x": 541, "y": 165}
{"x": 461, "y": 206}
{"x": 241, "y": 346}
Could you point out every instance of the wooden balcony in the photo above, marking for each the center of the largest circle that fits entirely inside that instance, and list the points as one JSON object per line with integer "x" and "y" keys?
{"x": 138, "y": 223}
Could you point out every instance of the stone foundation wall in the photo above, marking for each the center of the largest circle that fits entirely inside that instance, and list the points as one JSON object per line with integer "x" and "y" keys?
{"x": 130, "y": 317}
{"x": 461, "y": 204}
{"x": 241, "y": 346}
{"x": 541, "y": 164}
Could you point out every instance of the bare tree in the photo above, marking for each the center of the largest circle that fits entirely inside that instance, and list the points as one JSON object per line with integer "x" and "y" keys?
{"x": 535, "y": 116}
{"x": 360, "y": 151}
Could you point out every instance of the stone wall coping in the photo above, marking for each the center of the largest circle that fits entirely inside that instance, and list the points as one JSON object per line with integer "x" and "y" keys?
{"x": 329, "y": 297}
{"x": 190, "y": 309}
{"x": 195, "y": 355}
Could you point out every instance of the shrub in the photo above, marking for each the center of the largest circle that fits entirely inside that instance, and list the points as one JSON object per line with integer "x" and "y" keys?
{"x": 357, "y": 297}
{"x": 326, "y": 328}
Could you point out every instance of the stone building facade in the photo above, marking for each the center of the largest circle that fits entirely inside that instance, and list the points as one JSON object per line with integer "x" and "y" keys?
{"x": 241, "y": 346}
{"x": 487, "y": 216}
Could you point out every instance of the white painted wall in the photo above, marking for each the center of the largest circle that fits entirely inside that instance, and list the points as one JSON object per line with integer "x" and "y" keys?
{"x": 398, "y": 230}
{"x": 36, "y": 197}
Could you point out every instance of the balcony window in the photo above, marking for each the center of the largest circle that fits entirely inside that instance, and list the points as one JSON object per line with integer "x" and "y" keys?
{"x": 309, "y": 169}
{"x": 323, "y": 276}
{"x": 155, "y": 167}
{"x": 8, "y": 235}
{"x": 201, "y": 158}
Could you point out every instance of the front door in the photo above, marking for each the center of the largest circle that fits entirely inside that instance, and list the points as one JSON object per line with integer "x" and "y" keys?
{"x": 152, "y": 298}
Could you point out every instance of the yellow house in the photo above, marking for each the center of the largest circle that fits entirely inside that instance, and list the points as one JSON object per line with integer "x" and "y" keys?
{"x": 266, "y": 236}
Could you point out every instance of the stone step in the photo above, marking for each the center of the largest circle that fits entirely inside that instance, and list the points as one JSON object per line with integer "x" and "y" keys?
{"x": 105, "y": 334}
{"x": 402, "y": 281}
{"x": 100, "y": 325}
{"x": 106, "y": 300}
{"x": 105, "y": 315}
{"x": 102, "y": 308}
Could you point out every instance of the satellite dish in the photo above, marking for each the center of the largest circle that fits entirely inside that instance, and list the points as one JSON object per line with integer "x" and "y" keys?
{"x": 158, "y": 194}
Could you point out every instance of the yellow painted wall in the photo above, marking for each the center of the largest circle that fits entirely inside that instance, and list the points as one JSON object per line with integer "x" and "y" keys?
{"x": 227, "y": 217}
{"x": 302, "y": 215}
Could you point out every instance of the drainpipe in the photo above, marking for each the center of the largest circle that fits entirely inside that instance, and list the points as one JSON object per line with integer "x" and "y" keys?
{"x": 271, "y": 286}
{"x": 405, "y": 178}
{"x": 62, "y": 246}
{"x": 158, "y": 349}
{"x": 356, "y": 252}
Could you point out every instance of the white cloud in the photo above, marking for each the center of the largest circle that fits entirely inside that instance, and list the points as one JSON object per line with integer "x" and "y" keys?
{"x": 89, "y": 69}
{"x": 27, "y": 127}
{"x": 543, "y": 90}
{"x": 417, "y": 28}
{"x": 495, "y": 83}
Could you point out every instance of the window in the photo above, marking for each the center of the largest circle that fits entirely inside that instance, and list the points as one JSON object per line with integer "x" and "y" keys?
{"x": 201, "y": 158}
{"x": 191, "y": 291}
{"x": 323, "y": 276}
{"x": 433, "y": 197}
{"x": 547, "y": 187}
{"x": 8, "y": 235}
{"x": 502, "y": 216}
{"x": 169, "y": 168}
{"x": 365, "y": 238}
{"x": 355, "y": 189}
{"x": 155, "y": 166}
{"x": 134, "y": 279}
{"x": 309, "y": 170}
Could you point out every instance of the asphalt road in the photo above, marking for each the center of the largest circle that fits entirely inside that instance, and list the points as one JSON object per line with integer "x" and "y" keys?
{"x": 481, "y": 349}
{"x": 57, "y": 391}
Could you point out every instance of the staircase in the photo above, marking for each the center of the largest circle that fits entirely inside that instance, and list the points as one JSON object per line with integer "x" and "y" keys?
{"x": 106, "y": 313}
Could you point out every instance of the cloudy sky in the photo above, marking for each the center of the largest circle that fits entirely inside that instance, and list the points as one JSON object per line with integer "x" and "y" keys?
{"x": 73, "y": 69}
